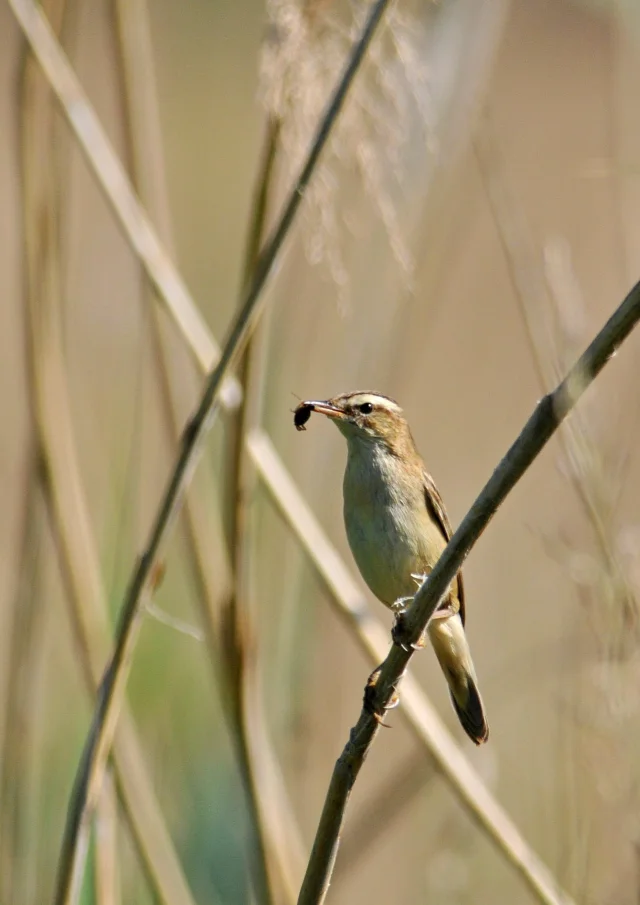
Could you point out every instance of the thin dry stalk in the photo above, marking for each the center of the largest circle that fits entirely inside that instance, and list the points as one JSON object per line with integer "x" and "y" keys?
{"x": 140, "y": 804}
{"x": 113, "y": 180}
{"x": 272, "y": 819}
{"x": 531, "y": 289}
{"x": 373, "y": 639}
{"x": 427, "y": 725}
{"x": 98, "y": 744}
{"x": 290, "y": 854}
{"x": 608, "y": 599}
{"x": 39, "y": 202}
{"x": 542, "y": 424}
{"x": 178, "y": 382}
{"x": 275, "y": 875}
{"x": 107, "y": 890}
{"x": 286, "y": 855}
{"x": 23, "y": 652}
{"x": 64, "y": 494}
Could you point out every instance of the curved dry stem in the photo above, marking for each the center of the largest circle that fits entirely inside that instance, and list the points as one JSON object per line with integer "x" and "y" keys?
{"x": 542, "y": 424}
{"x": 113, "y": 180}
{"x": 373, "y": 638}
{"x": 23, "y": 652}
{"x": 92, "y": 765}
{"x": 276, "y": 852}
{"x": 425, "y": 722}
{"x": 275, "y": 836}
{"x": 64, "y": 493}
{"x": 106, "y": 879}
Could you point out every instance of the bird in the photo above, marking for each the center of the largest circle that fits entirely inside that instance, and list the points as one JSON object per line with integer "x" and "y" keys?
{"x": 397, "y": 527}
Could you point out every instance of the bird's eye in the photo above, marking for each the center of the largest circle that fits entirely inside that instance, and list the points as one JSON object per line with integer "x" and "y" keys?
{"x": 366, "y": 408}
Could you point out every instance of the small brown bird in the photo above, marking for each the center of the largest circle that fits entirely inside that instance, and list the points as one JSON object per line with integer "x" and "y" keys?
{"x": 397, "y": 528}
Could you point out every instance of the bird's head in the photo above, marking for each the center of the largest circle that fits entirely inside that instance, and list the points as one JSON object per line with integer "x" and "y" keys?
{"x": 361, "y": 416}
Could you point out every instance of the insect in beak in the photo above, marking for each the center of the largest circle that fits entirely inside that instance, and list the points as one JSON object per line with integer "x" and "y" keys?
{"x": 303, "y": 411}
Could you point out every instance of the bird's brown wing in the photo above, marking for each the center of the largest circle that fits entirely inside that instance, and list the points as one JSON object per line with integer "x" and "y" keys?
{"x": 438, "y": 513}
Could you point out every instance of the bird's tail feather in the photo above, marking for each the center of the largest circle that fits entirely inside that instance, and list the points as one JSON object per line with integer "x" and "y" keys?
{"x": 471, "y": 713}
{"x": 451, "y": 647}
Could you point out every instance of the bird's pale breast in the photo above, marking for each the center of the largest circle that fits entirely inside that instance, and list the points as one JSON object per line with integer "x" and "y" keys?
{"x": 388, "y": 526}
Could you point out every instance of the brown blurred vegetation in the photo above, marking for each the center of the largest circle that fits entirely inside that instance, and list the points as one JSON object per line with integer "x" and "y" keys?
{"x": 473, "y": 223}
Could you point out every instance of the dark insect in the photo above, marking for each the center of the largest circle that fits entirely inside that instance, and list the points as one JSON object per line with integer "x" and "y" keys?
{"x": 301, "y": 416}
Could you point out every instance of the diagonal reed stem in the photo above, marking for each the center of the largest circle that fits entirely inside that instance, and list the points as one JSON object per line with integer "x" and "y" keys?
{"x": 532, "y": 291}
{"x": 98, "y": 744}
{"x": 63, "y": 489}
{"x": 275, "y": 857}
{"x": 113, "y": 180}
{"x": 270, "y": 861}
{"x": 542, "y": 424}
{"x": 344, "y": 592}
{"x": 422, "y": 718}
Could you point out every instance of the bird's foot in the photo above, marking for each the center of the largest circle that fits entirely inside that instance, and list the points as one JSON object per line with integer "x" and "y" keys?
{"x": 400, "y": 605}
{"x": 369, "y": 700}
{"x": 419, "y": 578}
{"x": 400, "y": 633}
{"x": 402, "y": 602}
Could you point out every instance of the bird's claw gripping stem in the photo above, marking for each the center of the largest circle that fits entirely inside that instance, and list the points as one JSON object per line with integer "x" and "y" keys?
{"x": 400, "y": 633}
{"x": 369, "y": 701}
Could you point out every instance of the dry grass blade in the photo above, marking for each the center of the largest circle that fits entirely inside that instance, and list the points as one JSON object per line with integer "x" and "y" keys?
{"x": 276, "y": 838}
{"x": 64, "y": 493}
{"x": 21, "y": 675}
{"x": 432, "y": 733}
{"x": 542, "y": 424}
{"x": 178, "y": 381}
{"x": 97, "y": 747}
{"x": 117, "y": 188}
{"x": 107, "y": 891}
{"x": 416, "y": 708}
{"x": 135, "y": 788}
{"x": 267, "y": 800}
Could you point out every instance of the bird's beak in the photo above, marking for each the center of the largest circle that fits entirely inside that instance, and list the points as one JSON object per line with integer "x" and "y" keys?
{"x": 324, "y": 408}
{"x": 303, "y": 411}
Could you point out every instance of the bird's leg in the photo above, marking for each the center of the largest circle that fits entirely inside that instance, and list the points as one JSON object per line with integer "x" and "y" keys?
{"x": 399, "y": 607}
{"x": 369, "y": 701}
{"x": 399, "y": 633}
{"x": 401, "y": 603}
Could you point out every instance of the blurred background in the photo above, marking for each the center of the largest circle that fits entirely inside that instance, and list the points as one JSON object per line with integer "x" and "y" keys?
{"x": 474, "y": 221}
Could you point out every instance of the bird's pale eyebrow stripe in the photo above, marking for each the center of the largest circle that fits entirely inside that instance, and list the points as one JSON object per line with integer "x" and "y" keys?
{"x": 376, "y": 399}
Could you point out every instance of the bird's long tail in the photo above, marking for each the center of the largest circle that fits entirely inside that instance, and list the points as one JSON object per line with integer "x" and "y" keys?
{"x": 450, "y": 644}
